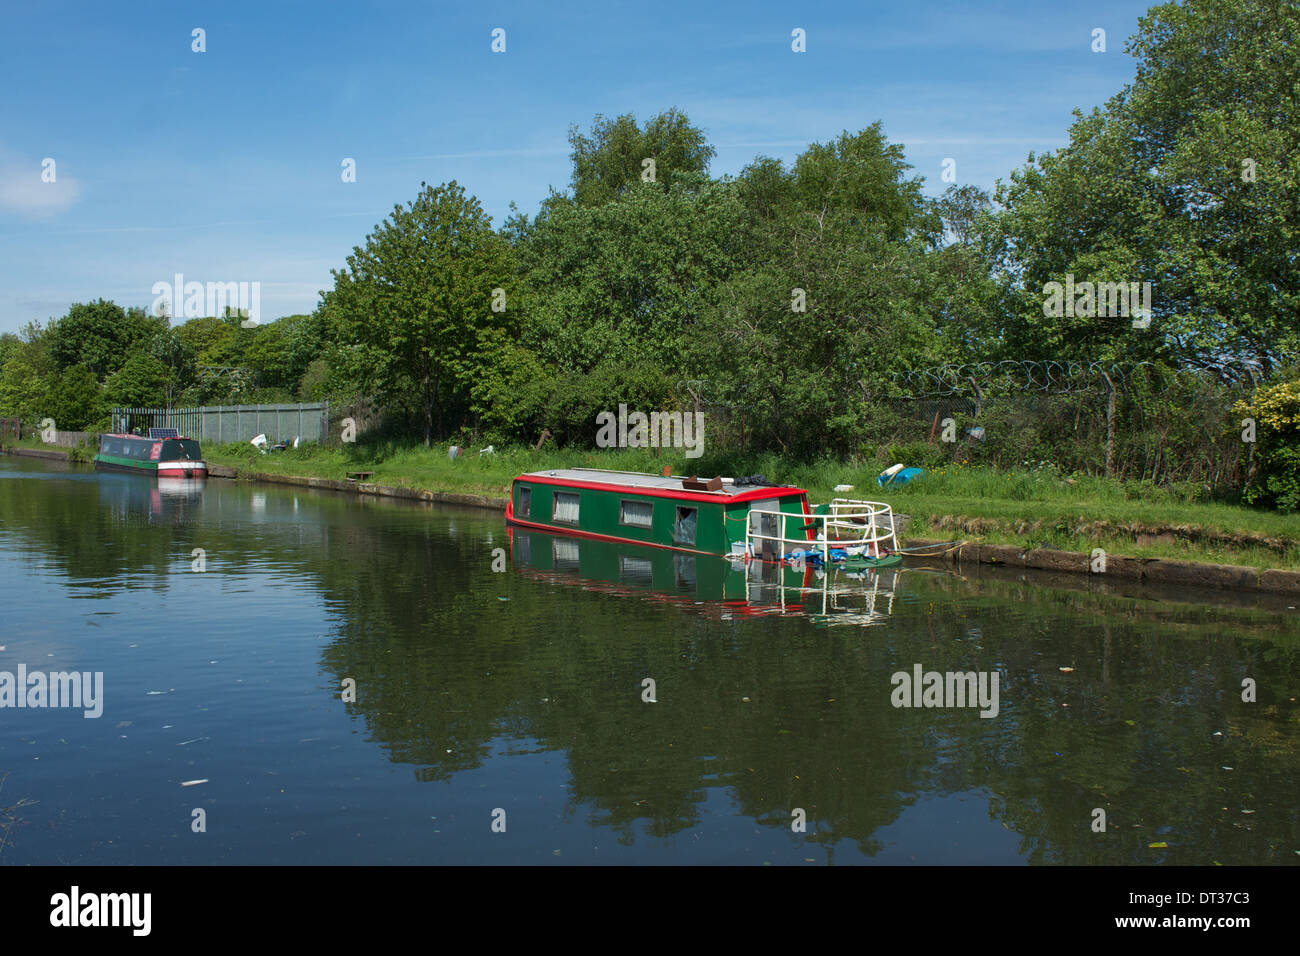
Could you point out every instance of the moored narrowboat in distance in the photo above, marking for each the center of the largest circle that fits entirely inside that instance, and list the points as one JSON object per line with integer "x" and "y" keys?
{"x": 747, "y": 517}
{"x": 165, "y": 454}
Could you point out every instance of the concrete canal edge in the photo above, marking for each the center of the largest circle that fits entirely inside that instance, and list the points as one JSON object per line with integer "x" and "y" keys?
{"x": 361, "y": 488}
{"x": 1148, "y": 570}
{"x": 37, "y": 453}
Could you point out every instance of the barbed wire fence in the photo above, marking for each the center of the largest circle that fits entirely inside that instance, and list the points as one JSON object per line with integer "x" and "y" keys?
{"x": 1035, "y": 386}
{"x": 1127, "y": 419}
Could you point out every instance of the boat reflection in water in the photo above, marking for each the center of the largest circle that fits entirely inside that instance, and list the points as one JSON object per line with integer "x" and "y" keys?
{"x": 171, "y": 497}
{"x": 720, "y": 587}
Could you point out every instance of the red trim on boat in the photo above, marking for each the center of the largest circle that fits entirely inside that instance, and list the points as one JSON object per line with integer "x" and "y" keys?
{"x": 552, "y": 529}
{"x": 757, "y": 494}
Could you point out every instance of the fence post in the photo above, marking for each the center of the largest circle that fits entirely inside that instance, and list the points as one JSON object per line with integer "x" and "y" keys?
{"x": 1110, "y": 427}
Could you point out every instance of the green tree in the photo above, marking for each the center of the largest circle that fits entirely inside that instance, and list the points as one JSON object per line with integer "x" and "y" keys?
{"x": 209, "y": 339}
{"x": 280, "y": 351}
{"x": 629, "y": 279}
{"x": 75, "y": 400}
{"x": 26, "y": 375}
{"x": 414, "y": 303}
{"x": 1186, "y": 179}
{"x": 101, "y": 336}
{"x": 144, "y": 381}
{"x": 179, "y": 359}
{"x": 836, "y": 294}
{"x": 613, "y": 156}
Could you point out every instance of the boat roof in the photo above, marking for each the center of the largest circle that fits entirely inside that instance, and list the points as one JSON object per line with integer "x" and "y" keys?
{"x": 658, "y": 485}
{"x": 145, "y": 437}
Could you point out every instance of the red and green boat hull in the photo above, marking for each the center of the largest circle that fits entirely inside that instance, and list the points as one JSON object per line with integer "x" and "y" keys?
{"x": 161, "y": 457}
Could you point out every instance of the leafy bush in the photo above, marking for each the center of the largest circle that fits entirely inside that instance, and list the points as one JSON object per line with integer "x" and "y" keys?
{"x": 1276, "y": 478}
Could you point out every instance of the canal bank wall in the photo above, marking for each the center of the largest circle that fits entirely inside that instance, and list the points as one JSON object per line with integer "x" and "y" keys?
{"x": 361, "y": 488}
{"x": 1144, "y": 570}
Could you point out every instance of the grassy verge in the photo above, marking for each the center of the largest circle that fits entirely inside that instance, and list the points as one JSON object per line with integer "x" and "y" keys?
{"x": 81, "y": 454}
{"x": 1029, "y": 508}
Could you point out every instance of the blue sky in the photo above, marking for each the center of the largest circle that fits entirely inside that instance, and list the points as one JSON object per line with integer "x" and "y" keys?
{"x": 225, "y": 165}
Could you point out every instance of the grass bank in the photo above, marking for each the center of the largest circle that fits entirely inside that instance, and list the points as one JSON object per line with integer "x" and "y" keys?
{"x": 1030, "y": 507}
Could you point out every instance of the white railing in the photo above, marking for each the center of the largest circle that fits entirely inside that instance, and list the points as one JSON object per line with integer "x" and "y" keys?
{"x": 861, "y": 527}
{"x": 847, "y": 597}
{"x": 872, "y": 520}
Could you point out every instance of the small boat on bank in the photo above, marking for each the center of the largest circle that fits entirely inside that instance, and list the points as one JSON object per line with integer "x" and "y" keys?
{"x": 750, "y": 518}
{"x": 164, "y": 455}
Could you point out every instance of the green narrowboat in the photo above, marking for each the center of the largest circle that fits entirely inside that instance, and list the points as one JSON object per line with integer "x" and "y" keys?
{"x": 743, "y": 517}
{"x": 166, "y": 456}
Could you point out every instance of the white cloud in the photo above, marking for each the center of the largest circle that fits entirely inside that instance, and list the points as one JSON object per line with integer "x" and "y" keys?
{"x": 24, "y": 194}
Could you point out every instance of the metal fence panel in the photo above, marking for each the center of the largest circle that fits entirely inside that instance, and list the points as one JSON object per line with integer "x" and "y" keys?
{"x": 231, "y": 423}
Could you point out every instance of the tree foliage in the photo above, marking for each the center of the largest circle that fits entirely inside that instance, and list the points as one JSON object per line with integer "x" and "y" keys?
{"x": 1186, "y": 179}
{"x": 414, "y": 303}
{"x": 613, "y": 156}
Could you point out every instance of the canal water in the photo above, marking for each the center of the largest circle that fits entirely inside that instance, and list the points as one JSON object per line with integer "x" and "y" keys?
{"x": 296, "y": 677}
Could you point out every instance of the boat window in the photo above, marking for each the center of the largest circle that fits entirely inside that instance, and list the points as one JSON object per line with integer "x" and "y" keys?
{"x": 525, "y": 501}
{"x": 175, "y": 449}
{"x": 684, "y": 526}
{"x": 566, "y": 508}
{"x": 637, "y": 514}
